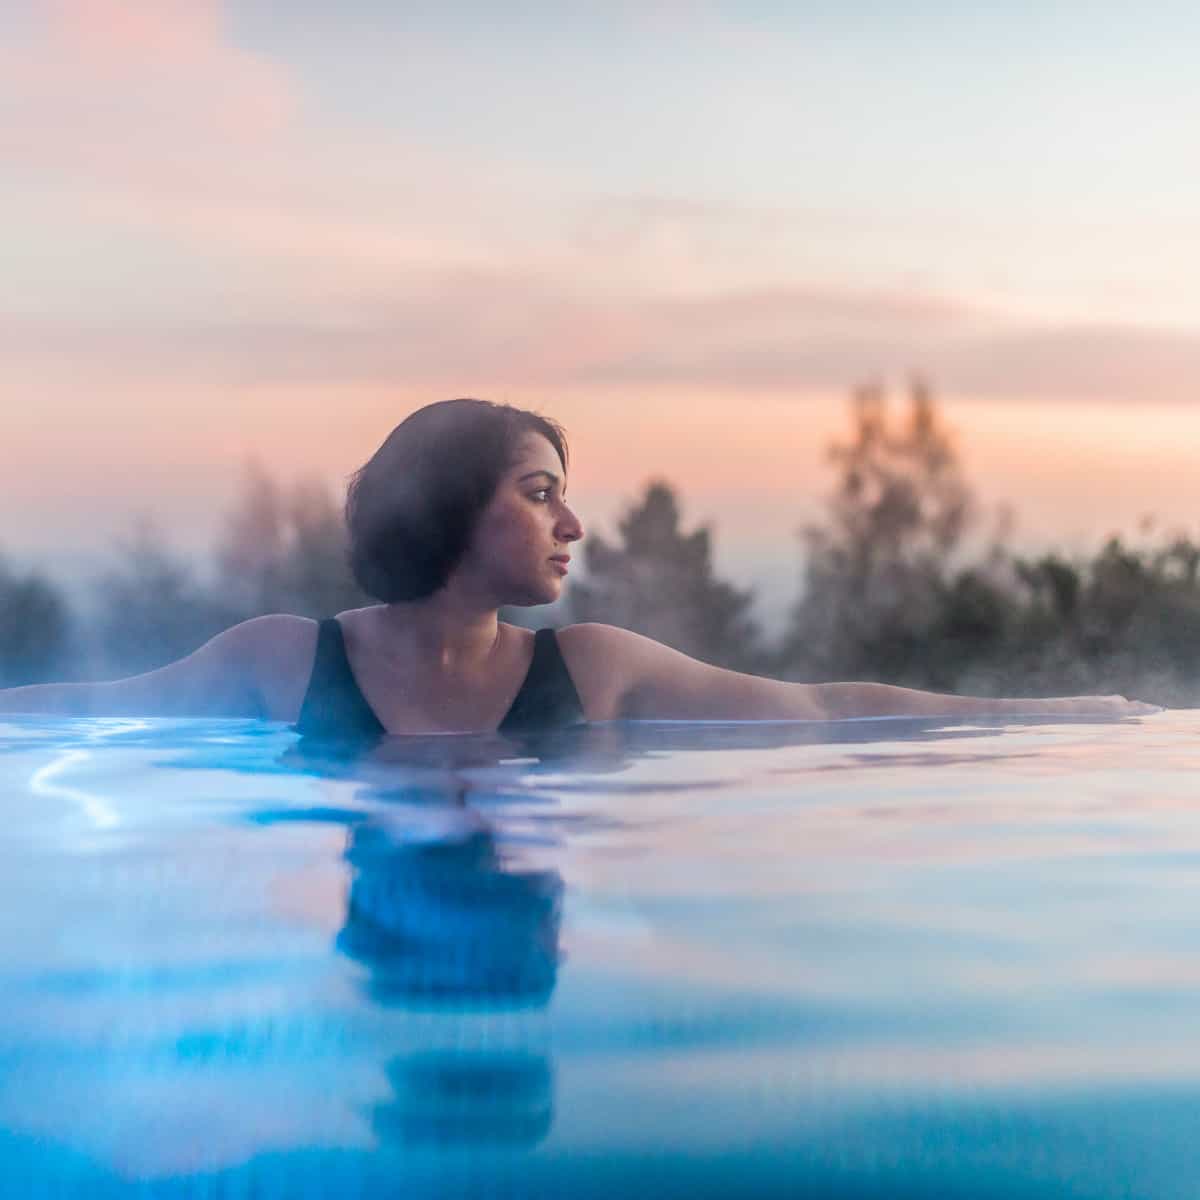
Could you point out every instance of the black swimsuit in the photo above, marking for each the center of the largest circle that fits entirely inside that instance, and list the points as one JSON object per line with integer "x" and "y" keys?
{"x": 334, "y": 705}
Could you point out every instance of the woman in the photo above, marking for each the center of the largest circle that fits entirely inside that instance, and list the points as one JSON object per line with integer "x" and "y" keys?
{"x": 462, "y": 510}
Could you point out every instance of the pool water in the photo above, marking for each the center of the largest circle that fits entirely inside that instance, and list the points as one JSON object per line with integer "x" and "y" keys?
{"x": 879, "y": 958}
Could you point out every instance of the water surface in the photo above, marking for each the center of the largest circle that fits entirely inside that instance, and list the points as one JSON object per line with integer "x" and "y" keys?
{"x": 866, "y": 958}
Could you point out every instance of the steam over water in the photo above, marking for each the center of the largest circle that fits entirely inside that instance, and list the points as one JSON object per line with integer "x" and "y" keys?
{"x": 871, "y": 958}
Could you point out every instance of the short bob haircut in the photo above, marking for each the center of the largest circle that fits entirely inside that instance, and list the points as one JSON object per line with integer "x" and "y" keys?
{"x": 412, "y": 507}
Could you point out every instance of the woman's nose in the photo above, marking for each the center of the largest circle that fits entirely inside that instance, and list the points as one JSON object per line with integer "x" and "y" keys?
{"x": 569, "y": 528}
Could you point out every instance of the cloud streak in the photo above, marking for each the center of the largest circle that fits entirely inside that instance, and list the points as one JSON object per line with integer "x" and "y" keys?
{"x": 526, "y": 328}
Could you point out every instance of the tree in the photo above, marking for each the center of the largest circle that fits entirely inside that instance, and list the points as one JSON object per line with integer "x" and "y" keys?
{"x": 317, "y": 580}
{"x": 1126, "y": 620}
{"x": 249, "y": 555}
{"x": 881, "y": 590}
{"x": 285, "y": 551}
{"x": 37, "y": 633}
{"x": 659, "y": 582}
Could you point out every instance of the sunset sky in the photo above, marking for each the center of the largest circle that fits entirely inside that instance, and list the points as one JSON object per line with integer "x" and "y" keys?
{"x": 684, "y": 229}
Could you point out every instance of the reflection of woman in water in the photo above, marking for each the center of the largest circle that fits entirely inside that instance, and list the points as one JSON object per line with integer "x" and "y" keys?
{"x": 439, "y": 917}
{"x": 442, "y": 922}
{"x": 461, "y": 511}
{"x": 446, "y": 920}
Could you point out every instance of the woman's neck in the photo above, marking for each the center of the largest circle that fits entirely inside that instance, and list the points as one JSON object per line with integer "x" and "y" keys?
{"x": 445, "y": 632}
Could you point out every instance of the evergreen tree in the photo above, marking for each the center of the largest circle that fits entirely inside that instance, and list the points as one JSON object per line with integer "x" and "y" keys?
{"x": 659, "y": 582}
{"x": 37, "y": 629}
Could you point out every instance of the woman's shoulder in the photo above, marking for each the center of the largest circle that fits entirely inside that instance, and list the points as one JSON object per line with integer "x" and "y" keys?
{"x": 653, "y": 680}
{"x": 621, "y": 651}
{"x": 286, "y": 648}
{"x": 283, "y": 646}
{"x": 593, "y": 637}
{"x": 587, "y": 631}
{"x": 602, "y": 660}
{"x": 275, "y": 634}
{"x": 287, "y": 632}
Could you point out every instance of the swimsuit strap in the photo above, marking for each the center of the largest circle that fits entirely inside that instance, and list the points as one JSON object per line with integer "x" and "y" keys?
{"x": 334, "y": 703}
{"x": 548, "y": 698}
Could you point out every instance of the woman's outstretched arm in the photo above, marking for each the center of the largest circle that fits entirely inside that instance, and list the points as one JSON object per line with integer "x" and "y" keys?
{"x": 651, "y": 681}
{"x": 220, "y": 679}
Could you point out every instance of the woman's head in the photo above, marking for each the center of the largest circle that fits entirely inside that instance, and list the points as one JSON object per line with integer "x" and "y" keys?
{"x": 462, "y": 485}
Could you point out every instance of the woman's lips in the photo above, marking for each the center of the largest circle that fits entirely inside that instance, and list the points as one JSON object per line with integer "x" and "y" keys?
{"x": 561, "y": 563}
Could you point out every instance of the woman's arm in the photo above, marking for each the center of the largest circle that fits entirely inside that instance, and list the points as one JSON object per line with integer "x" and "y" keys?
{"x": 654, "y": 682}
{"x": 220, "y": 679}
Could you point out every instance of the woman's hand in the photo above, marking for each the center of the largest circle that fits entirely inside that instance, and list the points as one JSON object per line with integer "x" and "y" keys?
{"x": 1094, "y": 706}
{"x": 881, "y": 699}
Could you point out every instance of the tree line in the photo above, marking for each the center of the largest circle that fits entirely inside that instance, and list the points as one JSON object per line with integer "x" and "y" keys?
{"x": 903, "y": 581}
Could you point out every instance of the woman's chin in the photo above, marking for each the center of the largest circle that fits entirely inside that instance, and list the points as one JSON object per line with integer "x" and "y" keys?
{"x": 546, "y": 593}
{"x": 534, "y": 596}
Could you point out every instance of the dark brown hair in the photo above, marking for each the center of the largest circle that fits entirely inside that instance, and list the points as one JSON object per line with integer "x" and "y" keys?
{"x": 412, "y": 507}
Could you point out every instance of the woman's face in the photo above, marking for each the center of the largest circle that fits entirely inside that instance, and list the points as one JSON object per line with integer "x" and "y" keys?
{"x": 526, "y": 526}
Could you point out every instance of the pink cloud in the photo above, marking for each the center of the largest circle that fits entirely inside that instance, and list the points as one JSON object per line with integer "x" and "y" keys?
{"x": 136, "y": 77}
{"x": 135, "y": 32}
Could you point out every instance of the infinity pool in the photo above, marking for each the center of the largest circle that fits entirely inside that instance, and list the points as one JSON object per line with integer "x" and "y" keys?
{"x": 881, "y": 958}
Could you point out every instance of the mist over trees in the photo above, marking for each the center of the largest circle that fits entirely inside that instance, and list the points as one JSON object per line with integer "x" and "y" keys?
{"x": 906, "y": 580}
{"x": 149, "y": 607}
{"x": 280, "y": 549}
{"x": 894, "y": 592}
{"x": 886, "y": 594}
{"x": 285, "y": 550}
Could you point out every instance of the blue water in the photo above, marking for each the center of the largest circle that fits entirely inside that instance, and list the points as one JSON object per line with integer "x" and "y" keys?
{"x": 878, "y": 958}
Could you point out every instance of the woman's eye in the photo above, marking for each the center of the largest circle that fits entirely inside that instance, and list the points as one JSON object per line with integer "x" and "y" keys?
{"x": 542, "y": 492}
